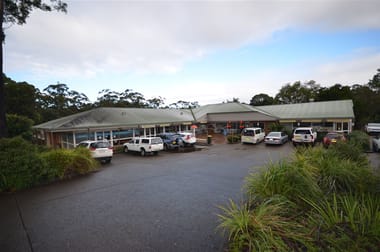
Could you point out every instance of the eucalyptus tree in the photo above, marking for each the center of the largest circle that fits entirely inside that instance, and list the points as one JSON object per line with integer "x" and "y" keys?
{"x": 261, "y": 100}
{"x": 17, "y": 12}
{"x": 297, "y": 92}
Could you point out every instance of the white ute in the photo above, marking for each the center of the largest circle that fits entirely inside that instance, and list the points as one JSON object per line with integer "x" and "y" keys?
{"x": 304, "y": 136}
{"x": 144, "y": 145}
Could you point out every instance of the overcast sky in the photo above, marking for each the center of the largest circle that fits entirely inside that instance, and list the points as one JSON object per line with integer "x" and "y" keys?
{"x": 205, "y": 51}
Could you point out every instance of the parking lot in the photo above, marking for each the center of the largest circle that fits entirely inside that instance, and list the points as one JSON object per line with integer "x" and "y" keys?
{"x": 167, "y": 202}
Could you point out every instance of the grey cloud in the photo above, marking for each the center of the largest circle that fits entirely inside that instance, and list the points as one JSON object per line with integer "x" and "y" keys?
{"x": 155, "y": 36}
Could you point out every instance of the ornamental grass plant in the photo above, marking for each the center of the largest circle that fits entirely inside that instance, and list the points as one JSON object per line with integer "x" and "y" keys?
{"x": 318, "y": 200}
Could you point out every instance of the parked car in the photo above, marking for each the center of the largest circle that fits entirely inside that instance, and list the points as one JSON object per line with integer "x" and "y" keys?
{"x": 252, "y": 135}
{"x": 376, "y": 143}
{"x": 171, "y": 141}
{"x": 144, "y": 145}
{"x": 101, "y": 150}
{"x": 188, "y": 138}
{"x": 304, "y": 135}
{"x": 332, "y": 138}
{"x": 373, "y": 128}
{"x": 276, "y": 137}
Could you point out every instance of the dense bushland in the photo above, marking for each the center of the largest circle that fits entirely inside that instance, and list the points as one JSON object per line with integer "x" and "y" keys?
{"x": 23, "y": 165}
{"x": 319, "y": 200}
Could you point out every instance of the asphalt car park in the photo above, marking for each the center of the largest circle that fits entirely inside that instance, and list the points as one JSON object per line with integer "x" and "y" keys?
{"x": 167, "y": 202}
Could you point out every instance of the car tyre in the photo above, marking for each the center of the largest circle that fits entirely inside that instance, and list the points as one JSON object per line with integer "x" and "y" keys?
{"x": 125, "y": 149}
{"x": 142, "y": 152}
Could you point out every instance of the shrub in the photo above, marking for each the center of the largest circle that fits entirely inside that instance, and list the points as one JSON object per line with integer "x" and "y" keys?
{"x": 19, "y": 126}
{"x": 276, "y": 127}
{"x": 342, "y": 168}
{"x": 23, "y": 165}
{"x": 65, "y": 163}
{"x": 290, "y": 180}
{"x": 83, "y": 162}
{"x": 20, "y": 164}
{"x": 359, "y": 139}
{"x": 264, "y": 227}
{"x": 320, "y": 200}
{"x": 233, "y": 138}
{"x": 346, "y": 222}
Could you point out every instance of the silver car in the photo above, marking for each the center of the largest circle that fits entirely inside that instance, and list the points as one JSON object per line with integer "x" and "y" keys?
{"x": 376, "y": 143}
{"x": 276, "y": 137}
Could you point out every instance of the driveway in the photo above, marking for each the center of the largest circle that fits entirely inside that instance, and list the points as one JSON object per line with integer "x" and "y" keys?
{"x": 167, "y": 202}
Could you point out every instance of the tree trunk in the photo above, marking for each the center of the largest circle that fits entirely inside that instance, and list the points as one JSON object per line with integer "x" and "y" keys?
{"x": 3, "y": 123}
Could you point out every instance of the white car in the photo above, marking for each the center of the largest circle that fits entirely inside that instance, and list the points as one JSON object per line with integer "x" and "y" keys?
{"x": 373, "y": 128}
{"x": 252, "y": 135}
{"x": 304, "y": 135}
{"x": 144, "y": 145}
{"x": 188, "y": 138}
{"x": 376, "y": 143}
{"x": 101, "y": 150}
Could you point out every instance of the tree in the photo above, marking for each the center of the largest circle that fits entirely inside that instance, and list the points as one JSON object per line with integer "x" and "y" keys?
{"x": 155, "y": 102}
{"x": 336, "y": 92}
{"x": 16, "y": 12}
{"x": 20, "y": 126}
{"x": 261, "y": 100}
{"x": 58, "y": 100}
{"x": 184, "y": 105}
{"x": 374, "y": 84}
{"x": 234, "y": 99}
{"x": 297, "y": 92}
{"x": 20, "y": 99}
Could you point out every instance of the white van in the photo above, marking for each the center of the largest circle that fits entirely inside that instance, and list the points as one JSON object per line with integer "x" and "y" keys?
{"x": 252, "y": 135}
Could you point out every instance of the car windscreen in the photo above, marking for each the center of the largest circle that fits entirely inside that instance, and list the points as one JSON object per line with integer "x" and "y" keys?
{"x": 248, "y": 133}
{"x": 303, "y": 132}
{"x": 274, "y": 134}
{"x": 102, "y": 145}
{"x": 156, "y": 140}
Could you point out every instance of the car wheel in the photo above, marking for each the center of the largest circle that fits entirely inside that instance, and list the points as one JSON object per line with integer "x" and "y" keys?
{"x": 142, "y": 152}
{"x": 108, "y": 160}
{"x": 165, "y": 147}
{"x": 125, "y": 149}
{"x": 294, "y": 144}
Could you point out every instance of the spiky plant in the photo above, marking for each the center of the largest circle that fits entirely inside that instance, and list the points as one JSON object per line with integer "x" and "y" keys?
{"x": 265, "y": 227}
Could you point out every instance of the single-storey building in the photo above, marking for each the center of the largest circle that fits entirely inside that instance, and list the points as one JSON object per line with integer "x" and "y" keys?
{"x": 114, "y": 124}
{"x": 120, "y": 124}
{"x": 323, "y": 116}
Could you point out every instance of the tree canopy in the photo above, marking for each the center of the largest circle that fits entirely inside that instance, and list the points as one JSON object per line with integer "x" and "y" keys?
{"x": 17, "y": 12}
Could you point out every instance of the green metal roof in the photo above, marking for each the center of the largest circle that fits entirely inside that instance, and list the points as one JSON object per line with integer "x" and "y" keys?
{"x": 140, "y": 117}
{"x": 312, "y": 110}
{"x": 118, "y": 117}
{"x": 201, "y": 113}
